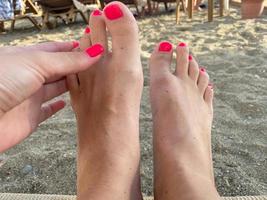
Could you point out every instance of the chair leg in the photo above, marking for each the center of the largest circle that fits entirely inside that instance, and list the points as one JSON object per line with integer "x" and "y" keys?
{"x": 221, "y": 8}
{"x": 210, "y": 10}
{"x": 13, "y": 24}
{"x": 83, "y": 17}
{"x": 177, "y": 11}
{"x": 190, "y": 9}
{"x": 166, "y": 6}
{"x": 34, "y": 22}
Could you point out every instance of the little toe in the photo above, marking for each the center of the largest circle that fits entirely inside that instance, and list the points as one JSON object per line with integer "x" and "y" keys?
{"x": 209, "y": 93}
{"x": 182, "y": 60}
{"x": 85, "y": 40}
{"x": 161, "y": 59}
{"x": 124, "y": 31}
{"x": 193, "y": 70}
{"x": 203, "y": 80}
{"x": 98, "y": 33}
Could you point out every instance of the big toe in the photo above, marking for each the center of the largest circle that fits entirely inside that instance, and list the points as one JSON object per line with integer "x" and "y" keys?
{"x": 124, "y": 31}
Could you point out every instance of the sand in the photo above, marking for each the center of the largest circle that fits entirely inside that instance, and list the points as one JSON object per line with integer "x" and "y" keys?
{"x": 234, "y": 53}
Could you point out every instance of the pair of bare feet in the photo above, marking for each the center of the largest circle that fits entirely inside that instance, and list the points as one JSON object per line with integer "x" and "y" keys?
{"x": 106, "y": 100}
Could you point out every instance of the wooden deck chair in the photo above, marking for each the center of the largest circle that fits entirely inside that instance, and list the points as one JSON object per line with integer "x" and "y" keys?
{"x": 29, "y": 11}
{"x": 62, "y": 9}
{"x": 179, "y": 3}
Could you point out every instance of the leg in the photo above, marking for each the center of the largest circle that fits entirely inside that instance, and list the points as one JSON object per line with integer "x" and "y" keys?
{"x": 106, "y": 100}
{"x": 182, "y": 117}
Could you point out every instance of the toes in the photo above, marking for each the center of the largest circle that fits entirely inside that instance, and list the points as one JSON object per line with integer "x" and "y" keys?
{"x": 193, "y": 70}
{"x": 160, "y": 60}
{"x": 123, "y": 29}
{"x": 208, "y": 96}
{"x": 85, "y": 40}
{"x": 182, "y": 60}
{"x": 203, "y": 80}
{"x": 98, "y": 33}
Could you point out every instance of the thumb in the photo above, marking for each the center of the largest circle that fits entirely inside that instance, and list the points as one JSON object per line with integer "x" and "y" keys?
{"x": 54, "y": 66}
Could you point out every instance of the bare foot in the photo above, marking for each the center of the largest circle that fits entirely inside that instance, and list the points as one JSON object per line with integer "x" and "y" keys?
{"x": 106, "y": 100}
{"x": 182, "y": 116}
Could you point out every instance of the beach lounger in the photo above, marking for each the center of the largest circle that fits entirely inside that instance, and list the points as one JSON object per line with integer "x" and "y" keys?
{"x": 62, "y": 197}
{"x": 29, "y": 11}
{"x": 62, "y": 9}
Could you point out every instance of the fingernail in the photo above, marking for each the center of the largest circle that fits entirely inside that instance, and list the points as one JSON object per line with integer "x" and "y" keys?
{"x": 202, "y": 69}
{"x": 182, "y": 44}
{"x": 165, "y": 47}
{"x": 190, "y": 57}
{"x": 210, "y": 85}
{"x": 75, "y": 44}
{"x": 113, "y": 12}
{"x": 87, "y": 30}
{"x": 97, "y": 12}
{"x": 95, "y": 50}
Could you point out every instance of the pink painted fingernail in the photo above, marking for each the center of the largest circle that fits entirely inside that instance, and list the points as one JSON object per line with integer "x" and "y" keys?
{"x": 165, "y": 47}
{"x": 113, "y": 12}
{"x": 202, "y": 69}
{"x": 182, "y": 44}
{"x": 190, "y": 57}
{"x": 87, "y": 30}
{"x": 210, "y": 85}
{"x": 75, "y": 44}
{"x": 95, "y": 50}
{"x": 97, "y": 12}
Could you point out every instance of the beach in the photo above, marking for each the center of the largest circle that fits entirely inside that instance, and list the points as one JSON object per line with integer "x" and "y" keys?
{"x": 233, "y": 51}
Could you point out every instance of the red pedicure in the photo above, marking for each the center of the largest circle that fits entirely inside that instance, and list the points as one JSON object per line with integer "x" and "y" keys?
{"x": 97, "y": 12}
{"x": 182, "y": 44}
{"x": 165, "y": 47}
{"x": 210, "y": 85}
{"x": 202, "y": 69}
{"x": 87, "y": 30}
{"x": 190, "y": 58}
{"x": 95, "y": 50}
{"x": 75, "y": 44}
{"x": 113, "y": 12}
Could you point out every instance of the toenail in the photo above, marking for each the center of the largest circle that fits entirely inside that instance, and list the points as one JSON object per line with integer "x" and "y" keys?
{"x": 210, "y": 85}
{"x": 113, "y": 12}
{"x": 87, "y": 30}
{"x": 97, "y": 12}
{"x": 190, "y": 58}
{"x": 75, "y": 44}
{"x": 165, "y": 47}
{"x": 95, "y": 50}
{"x": 202, "y": 69}
{"x": 182, "y": 44}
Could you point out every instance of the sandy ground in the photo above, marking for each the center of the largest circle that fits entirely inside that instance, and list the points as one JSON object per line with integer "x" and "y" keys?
{"x": 234, "y": 53}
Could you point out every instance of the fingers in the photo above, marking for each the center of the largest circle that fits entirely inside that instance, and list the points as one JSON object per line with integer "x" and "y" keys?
{"x": 53, "y": 66}
{"x": 47, "y": 47}
{"x": 55, "y": 89}
{"x": 51, "y": 109}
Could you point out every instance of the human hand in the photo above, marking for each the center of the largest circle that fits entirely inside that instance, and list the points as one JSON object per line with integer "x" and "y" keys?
{"x": 30, "y": 76}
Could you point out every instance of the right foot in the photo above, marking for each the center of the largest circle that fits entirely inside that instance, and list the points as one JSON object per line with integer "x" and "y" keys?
{"x": 182, "y": 117}
{"x": 106, "y": 100}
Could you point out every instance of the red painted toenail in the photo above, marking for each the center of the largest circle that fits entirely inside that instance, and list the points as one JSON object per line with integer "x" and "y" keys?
{"x": 75, "y": 44}
{"x": 190, "y": 57}
{"x": 202, "y": 69}
{"x": 182, "y": 44}
{"x": 113, "y": 12}
{"x": 87, "y": 30}
{"x": 97, "y": 12}
{"x": 165, "y": 47}
{"x": 95, "y": 50}
{"x": 210, "y": 85}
